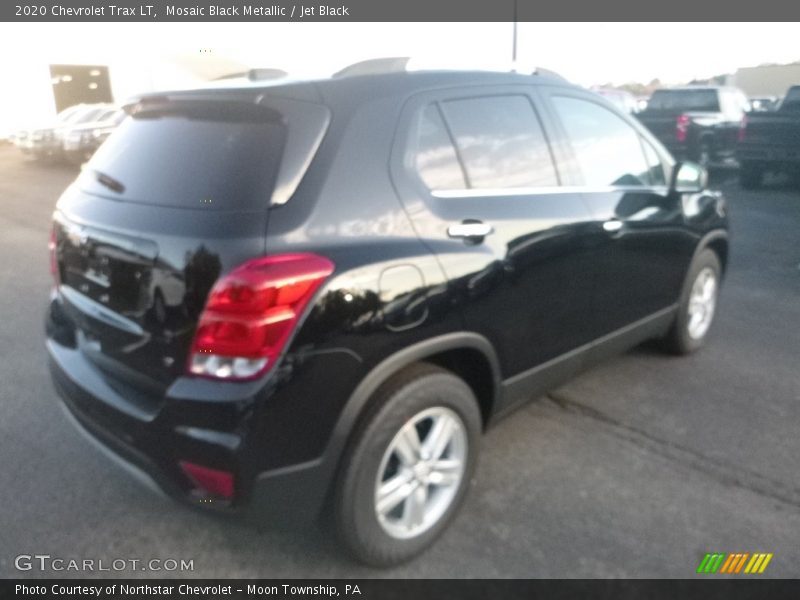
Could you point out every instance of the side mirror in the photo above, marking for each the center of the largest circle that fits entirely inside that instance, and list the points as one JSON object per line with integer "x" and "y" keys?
{"x": 689, "y": 178}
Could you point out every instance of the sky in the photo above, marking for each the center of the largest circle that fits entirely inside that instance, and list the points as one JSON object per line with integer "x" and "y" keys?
{"x": 584, "y": 53}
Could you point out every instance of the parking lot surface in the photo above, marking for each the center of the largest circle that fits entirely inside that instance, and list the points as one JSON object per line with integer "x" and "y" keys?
{"x": 635, "y": 469}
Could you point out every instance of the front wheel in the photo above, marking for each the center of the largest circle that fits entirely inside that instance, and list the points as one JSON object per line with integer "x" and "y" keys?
{"x": 697, "y": 306}
{"x": 409, "y": 466}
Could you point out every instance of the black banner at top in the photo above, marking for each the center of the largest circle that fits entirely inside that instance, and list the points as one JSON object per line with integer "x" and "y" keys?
{"x": 395, "y": 10}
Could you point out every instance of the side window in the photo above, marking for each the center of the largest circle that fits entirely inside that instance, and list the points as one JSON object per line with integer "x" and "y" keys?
{"x": 500, "y": 142}
{"x": 607, "y": 149}
{"x": 656, "y": 166}
{"x": 436, "y": 160}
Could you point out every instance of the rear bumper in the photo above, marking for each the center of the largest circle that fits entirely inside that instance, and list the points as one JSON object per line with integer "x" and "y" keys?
{"x": 149, "y": 446}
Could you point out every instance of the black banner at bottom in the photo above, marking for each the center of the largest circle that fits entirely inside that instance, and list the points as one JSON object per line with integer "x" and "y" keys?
{"x": 413, "y": 589}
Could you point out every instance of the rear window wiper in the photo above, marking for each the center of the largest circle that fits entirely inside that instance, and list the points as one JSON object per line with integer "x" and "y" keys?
{"x": 113, "y": 184}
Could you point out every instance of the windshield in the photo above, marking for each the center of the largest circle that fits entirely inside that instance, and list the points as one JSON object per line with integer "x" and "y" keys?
{"x": 684, "y": 100}
{"x": 189, "y": 159}
{"x": 68, "y": 113}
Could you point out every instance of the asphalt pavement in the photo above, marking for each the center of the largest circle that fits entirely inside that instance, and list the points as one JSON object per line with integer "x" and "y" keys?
{"x": 635, "y": 469}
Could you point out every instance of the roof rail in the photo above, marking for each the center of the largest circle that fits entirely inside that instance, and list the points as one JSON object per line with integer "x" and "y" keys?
{"x": 374, "y": 66}
{"x": 260, "y": 74}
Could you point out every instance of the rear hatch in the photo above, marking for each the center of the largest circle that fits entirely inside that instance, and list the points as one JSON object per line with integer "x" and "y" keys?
{"x": 177, "y": 195}
{"x": 665, "y": 106}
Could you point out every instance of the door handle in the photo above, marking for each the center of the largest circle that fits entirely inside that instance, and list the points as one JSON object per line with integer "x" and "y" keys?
{"x": 471, "y": 230}
{"x": 612, "y": 226}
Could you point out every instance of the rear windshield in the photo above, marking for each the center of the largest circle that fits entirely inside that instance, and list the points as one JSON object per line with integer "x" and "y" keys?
{"x": 699, "y": 100}
{"x": 193, "y": 156}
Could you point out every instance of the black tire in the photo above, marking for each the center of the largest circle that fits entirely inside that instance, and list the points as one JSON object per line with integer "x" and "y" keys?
{"x": 751, "y": 176}
{"x": 417, "y": 388}
{"x": 679, "y": 340}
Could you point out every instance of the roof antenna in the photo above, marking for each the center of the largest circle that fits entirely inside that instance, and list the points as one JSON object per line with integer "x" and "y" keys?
{"x": 514, "y": 40}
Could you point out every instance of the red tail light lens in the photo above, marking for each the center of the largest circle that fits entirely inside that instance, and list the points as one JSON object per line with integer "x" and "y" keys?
{"x": 251, "y": 312}
{"x": 212, "y": 481}
{"x": 52, "y": 246}
{"x": 682, "y": 128}
{"x": 742, "y": 129}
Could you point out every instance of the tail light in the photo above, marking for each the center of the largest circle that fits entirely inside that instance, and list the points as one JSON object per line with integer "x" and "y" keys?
{"x": 742, "y": 129}
{"x": 210, "y": 481}
{"x": 251, "y": 312}
{"x": 52, "y": 246}
{"x": 682, "y": 128}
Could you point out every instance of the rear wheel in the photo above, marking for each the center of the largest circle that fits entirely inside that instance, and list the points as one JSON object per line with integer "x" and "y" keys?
{"x": 409, "y": 466}
{"x": 698, "y": 305}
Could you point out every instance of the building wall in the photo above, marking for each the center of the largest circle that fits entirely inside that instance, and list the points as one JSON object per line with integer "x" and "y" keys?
{"x": 769, "y": 80}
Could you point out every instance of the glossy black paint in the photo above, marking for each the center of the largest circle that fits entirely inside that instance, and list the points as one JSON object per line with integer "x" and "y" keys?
{"x": 522, "y": 309}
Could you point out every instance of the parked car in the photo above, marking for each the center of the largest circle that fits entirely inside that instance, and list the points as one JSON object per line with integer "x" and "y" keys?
{"x": 40, "y": 142}
{"x": 366, "y": 272}
{"x": 697, "y": 123}
{"x": 770, "y": 142}
{"x": 46, "y": 143}
{"x": 81, "y": 140}
{"x": 763, "y": 103}
{"x": 625, "y": 101}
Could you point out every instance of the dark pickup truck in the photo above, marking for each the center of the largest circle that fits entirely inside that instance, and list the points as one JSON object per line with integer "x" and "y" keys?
{"x": 770, "y": 142}
{"x": 700, "y": 124}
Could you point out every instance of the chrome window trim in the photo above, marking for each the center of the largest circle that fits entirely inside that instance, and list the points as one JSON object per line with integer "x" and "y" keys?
{"x": 538, "y": 191}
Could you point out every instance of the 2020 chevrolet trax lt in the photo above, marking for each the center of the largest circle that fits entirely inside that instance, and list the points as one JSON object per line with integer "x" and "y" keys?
{"x": 297, "y": 295}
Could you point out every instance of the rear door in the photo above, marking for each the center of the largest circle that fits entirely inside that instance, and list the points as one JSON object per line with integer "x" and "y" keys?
{"x": 641, "y": 247}
{"x": 477, "y": 173}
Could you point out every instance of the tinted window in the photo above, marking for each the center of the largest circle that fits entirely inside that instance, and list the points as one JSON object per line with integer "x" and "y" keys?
{"x": 436, "y": 158}
{"x": 500, "y": 141}
{"x": 195, "y": 160}
{"x": 607, "y": 149}
{"x": 671, "y": 100}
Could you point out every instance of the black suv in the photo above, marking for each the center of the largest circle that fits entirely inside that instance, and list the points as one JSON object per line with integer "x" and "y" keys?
{"x": 300, "y": 295}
